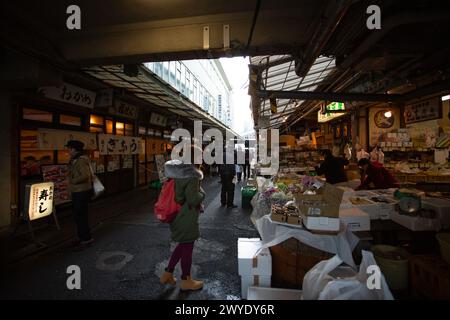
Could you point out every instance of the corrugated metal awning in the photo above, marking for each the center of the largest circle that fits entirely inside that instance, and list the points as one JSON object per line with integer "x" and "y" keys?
{"x": 279, "y": 74}
{"x": 149, "y": 87}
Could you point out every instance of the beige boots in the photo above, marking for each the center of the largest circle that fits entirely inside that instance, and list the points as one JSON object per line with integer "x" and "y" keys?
{"x": 187, "y": 284}
{"x": 167, "y": 277}
{"x": 191, "y": 284}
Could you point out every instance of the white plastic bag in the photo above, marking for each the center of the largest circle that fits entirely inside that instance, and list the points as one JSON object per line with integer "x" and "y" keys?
{"x": 357, "y": 288}
{"x": 318, "y": 277}
{"x": 97, "y": 186}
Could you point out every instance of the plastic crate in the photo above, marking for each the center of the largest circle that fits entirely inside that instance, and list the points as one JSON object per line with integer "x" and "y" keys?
{"x": 430, "y": 277}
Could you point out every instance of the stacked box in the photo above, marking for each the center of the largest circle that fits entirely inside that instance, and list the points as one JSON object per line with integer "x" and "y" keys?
{"x": 254, "y": 270}
{"x": 320, "y": 212}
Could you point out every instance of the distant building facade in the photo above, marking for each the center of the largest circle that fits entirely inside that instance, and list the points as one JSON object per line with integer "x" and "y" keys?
{"x": 204, "y": 82}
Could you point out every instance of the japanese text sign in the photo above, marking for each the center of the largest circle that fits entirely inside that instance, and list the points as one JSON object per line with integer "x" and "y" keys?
{"x": 41, "y": 200}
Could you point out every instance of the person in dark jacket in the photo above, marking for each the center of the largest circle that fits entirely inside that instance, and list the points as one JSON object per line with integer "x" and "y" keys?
{"x": 247, "y": 164}
{"x": 333, "y": 168}
{"x": 227, "y": 173}
{"x": 80, "y": 184}
{"x": 184, "y": 228}
{"x": 374, "y": 173}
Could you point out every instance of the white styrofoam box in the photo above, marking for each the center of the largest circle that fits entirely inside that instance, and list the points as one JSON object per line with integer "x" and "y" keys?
{"x": 261, "y": 293}
{"x": 250, "y": 265}
{"x": 321, "y": 223}
{"x": 355, "y": 219}
{"x": 441, "y": 207}
{"x": 358, "y": 194}
{"x": 416, "y": 223}
{"x": 386, "y": 210}
{"x": 345, "y": 204}
{"x": 255, "y": 280}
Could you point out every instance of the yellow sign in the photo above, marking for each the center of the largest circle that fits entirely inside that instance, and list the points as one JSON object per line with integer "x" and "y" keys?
{"x": 41, "y": 200}
{"x": 328, "y": 116}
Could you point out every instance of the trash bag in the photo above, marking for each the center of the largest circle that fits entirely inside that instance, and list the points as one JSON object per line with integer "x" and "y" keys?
{"x": 359, "y": 288}
{"x": 319, "y": 284}
{"x": 318, "y": 277}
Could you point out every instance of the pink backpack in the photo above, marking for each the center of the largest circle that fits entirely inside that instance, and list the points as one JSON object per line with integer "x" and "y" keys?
{"x": 166, "y": 208}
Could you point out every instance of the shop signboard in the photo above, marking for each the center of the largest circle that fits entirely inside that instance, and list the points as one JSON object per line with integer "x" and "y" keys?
{"x": 104, "y": 98}
{"x": 39, "y": 200}
{"x": 159, "y": 161}
{"x": 335, "y": 106}
{"x": 115, "y": 145}
{"x": 51, "y": 139}
{"x": 321, "y": 118}
{"x": 423, "y": 110}
{"x": 58, "y": 175}
{"x": 70, "y": 94}
{"x": 157, "y": 119}
{"x": 124, "y": 109}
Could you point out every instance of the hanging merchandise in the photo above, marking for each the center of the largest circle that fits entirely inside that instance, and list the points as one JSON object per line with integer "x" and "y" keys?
{"x": 361, "y": 154}
{"x": 348, "y": 151}
{"x": 377, "y": 155}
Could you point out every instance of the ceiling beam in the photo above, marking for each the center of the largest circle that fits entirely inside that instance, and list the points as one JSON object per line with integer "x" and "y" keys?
{"x": 328, "y": 96}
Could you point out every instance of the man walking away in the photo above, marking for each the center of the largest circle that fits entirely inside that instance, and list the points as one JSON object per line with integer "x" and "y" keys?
{"x": 227, "y": 173}
{"x": 247, "y": 164}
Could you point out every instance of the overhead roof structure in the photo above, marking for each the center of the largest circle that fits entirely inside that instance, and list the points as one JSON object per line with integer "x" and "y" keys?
{"x": 406, "y": 59}
{"x": 149, "y": 87}
{"x": 279, "y": 75}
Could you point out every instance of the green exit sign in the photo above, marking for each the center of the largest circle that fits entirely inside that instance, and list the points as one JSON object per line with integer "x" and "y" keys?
{"x": 335, "y": 106}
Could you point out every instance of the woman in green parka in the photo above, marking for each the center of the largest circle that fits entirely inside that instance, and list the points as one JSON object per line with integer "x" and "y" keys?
{"x": 184, "y": 228}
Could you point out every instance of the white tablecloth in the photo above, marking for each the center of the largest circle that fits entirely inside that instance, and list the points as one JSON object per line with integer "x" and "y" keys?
{"x": 341, "y": 244}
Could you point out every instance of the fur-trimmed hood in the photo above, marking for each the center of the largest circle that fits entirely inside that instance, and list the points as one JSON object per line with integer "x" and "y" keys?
{"x": 175, "y": 169}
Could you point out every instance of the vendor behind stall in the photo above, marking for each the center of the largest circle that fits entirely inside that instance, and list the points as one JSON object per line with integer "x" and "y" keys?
{"x": 376, "y": 174}
{"x": 333, "y": 168}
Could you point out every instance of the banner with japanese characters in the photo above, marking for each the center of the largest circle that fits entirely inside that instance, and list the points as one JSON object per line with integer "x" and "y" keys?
{"x": 109, "y": 144}
{"x": 40, "y": 200}
{"x": 70, "y": 94}
{"x": 51, "y": 139}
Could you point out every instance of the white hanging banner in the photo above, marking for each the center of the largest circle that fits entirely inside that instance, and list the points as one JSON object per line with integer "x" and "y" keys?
{"x": 70, "y": 94}
{"x": 51, "y": 139}
{"x": 112, "y": 144}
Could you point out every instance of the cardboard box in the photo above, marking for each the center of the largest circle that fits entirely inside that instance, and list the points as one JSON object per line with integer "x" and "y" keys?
{"x": 441, "y": 207}
{"x": 254, "y": 270}
{"x": 261, "y": 293}
{"x": 297, "y": 220}
{"x": 325, "y": 203}
{"x": 248, "y": 264}
{"x": 355, "y": 219}
{"x": 416, "y": 223}
{"x": 253, "y": 281}
{"x": 278, "y": 217}
{"x": 321, "y": 224}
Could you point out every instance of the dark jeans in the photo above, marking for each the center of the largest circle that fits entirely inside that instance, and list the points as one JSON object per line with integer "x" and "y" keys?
{"x": 246, "y": 171}
{"x": 80, "y": 201}
{"x": 227, "y": 195}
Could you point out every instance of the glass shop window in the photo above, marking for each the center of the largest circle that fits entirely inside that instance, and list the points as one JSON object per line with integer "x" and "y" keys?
{"x": 70, "y": 120}
{"x": 120, "y": 129}
{"x": 109, "y": 126}
{"x": 129, "y": 129}
{"x": 37, "y": 115}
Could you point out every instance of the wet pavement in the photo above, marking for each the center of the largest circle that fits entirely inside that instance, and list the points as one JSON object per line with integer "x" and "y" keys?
{"x": 130, "y": 252}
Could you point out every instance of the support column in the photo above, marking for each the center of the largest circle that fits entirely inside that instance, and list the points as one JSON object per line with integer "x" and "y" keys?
{"x": 5, "y": 158}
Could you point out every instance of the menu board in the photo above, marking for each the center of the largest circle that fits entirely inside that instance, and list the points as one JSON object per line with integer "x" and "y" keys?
{"x": 159, "y": 160}
{"x": 59, "y": 175}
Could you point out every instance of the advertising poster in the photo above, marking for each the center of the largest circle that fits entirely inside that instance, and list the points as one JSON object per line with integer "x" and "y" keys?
{"x": 58, "y": 174}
